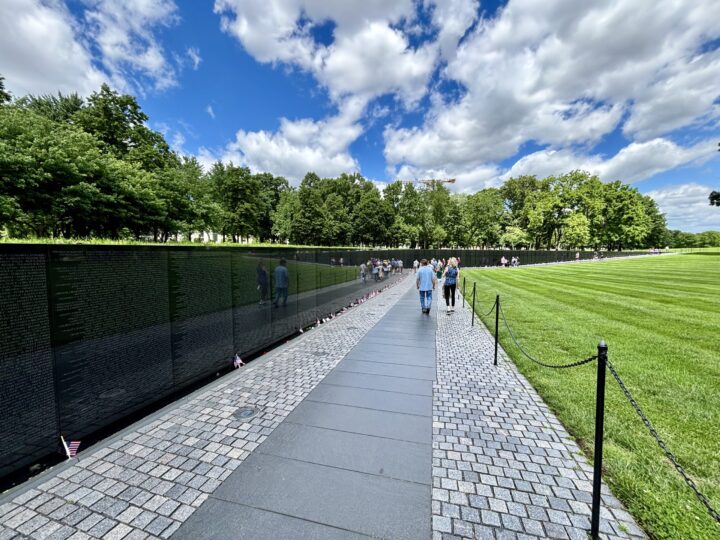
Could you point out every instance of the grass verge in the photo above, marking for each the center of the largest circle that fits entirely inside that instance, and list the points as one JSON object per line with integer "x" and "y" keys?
{"x": 661, "y": 319}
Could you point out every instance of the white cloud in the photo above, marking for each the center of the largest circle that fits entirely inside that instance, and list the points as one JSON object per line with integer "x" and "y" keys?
{"x": 634, "y": 163}
{"x": 39, "y": 50}
{"x": 177, "y": 143}
{"x": 298, "y": 147}
{"x": 565, "y": 73}
{"x": 45, "y": 49}
{"x": 124, "y": 35}
{"x": 370, "y": 54}
{"x": 210, "y": 111}
{"x": 194, "y": 55}
{"x": 686, "y": 207}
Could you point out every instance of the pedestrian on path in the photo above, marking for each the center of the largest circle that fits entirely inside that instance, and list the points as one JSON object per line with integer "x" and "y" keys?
{"x": 451, "y": 275}
{"x": 281, "y": 283}
{"x": 425, "y": 283}
{"x": 415, "y": 266}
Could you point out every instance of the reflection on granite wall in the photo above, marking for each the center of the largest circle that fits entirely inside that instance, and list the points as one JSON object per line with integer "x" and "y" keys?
{"x": 90, "y": 334}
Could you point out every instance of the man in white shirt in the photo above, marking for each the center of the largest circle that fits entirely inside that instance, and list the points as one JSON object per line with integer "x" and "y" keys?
{"x": 425, "y": 283}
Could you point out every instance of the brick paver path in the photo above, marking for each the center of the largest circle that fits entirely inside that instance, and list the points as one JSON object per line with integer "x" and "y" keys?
{"x": 503, "y": 465}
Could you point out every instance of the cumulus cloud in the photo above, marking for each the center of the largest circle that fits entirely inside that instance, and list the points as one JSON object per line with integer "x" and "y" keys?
{"x": 44, "y": 48}
{"x": 564, "y": 74}
{"x": 636, "y": 162}
{"x": 370, "y": 55}
{"x": 297, "y": 147}
{"x": 40, "y": 52}
{"x": 686, "y": 207}
{"x": 124, "y": 35}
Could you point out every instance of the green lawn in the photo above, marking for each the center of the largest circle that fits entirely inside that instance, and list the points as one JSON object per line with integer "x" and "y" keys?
{"x": 660, "y": 317}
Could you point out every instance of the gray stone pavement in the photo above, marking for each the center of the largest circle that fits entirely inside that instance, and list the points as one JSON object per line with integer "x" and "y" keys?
{"x": 346, "y": 444}
{"x": 504, "y": 467}
{"x": 353, "y": 460}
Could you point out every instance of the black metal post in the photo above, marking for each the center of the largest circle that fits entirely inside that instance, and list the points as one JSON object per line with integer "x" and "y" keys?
{"x": 497, "y": 324}
{"x": 473, "y": 306}
{"x": 463, "y": 291}
{"x": 599, "y": 424}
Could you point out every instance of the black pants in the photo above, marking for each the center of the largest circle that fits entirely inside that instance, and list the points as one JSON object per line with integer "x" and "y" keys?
{"x": 449, "y": 291}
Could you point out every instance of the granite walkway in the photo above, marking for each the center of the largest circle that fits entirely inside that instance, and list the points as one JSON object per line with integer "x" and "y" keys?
{"x": 383, "y": 423}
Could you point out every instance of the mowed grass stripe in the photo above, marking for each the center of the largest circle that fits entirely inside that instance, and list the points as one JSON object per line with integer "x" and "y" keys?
{"x": 602, "y": 302}
{"x": 660, "y": 317}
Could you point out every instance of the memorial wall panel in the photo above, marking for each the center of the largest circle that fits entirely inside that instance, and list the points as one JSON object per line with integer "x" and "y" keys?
{"x": 111, "y": 334}
{"x": 201, "y": 313}
{"x": 252, "y": 303}
{"x": 90, "y": 334}
{"x": 28, "y": 421}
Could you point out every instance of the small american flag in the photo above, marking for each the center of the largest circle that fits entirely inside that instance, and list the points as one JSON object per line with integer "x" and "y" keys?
{"x": 73, "y": 448}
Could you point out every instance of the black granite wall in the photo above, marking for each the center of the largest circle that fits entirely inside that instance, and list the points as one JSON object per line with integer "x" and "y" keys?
{"x": 91, "y": 334}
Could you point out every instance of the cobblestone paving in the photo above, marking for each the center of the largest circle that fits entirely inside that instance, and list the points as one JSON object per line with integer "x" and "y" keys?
{"x": 149, "y": 481}
{"x": 503, "y": 465}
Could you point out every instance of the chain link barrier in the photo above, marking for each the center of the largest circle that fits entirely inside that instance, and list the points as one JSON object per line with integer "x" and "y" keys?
{"x": 663, "y": 445}
{"x": 653, "y": 432}
{"x": 543, "y": 364}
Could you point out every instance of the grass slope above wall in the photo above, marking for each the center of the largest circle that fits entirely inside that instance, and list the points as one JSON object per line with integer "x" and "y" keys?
{"x": 660, "y": 317}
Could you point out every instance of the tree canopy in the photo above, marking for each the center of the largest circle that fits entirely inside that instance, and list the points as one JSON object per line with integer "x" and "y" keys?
{"x": 92, "y": 168}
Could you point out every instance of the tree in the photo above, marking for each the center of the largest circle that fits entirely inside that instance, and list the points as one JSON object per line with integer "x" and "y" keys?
{"x": 118, "y": 121}
{"x": 576, "y": 230}
{"x": 271, "y": 187}
{"x": 514, "y": 236}
{"x": 484, "y": 215}
{"x": 715, "y": 198}
{"x": 285, "y": 216}
{"x": 336, "y": 226}
{"x": 370, "y": 219}
{"x": 58, "y": 108}
{"x": 5, "y": 96}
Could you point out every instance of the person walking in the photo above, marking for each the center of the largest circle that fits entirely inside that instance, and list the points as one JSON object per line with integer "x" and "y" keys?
{"x": 363, "y": 273}
{"x": 415, "y": 266}
{"x": 425, "y": 283}
{"x": 281, "y": 283}
{"x": 451, "y": 275}
{"x": 262, "y": 282}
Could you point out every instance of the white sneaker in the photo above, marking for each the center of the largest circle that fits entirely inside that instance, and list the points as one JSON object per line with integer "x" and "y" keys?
{"x": 448, "y": 309}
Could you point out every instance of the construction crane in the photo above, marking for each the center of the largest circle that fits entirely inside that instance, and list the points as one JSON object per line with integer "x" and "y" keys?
{"x": 429, "y": 181}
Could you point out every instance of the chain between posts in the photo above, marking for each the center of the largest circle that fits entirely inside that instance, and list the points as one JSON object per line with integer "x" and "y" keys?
{"x": 663, "y": 445}
{"x": 554, "y": 366}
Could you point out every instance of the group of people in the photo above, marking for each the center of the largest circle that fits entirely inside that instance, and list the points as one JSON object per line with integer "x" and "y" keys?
{"x": 380, "y": 269}
{"x": 512, "y": 263}
{"x": 281, "y": 280}
{"x": 429, "y": 274}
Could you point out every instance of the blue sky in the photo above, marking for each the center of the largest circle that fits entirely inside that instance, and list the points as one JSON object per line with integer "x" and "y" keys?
{"x": 479, "y": 91}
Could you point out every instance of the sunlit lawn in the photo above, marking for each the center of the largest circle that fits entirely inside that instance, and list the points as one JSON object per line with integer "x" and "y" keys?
{"x": 661, "y": 319}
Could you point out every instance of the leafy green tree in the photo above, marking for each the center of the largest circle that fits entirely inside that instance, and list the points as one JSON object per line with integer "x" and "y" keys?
{"x": 271, "y": 187}
{"x": 576, "y": 230}
{"x": 309, "y": 222}
{"x": 5, "y": 96}
{"x": 336, "y": 224}
{"x": 285, "y": 216}
{"x": 514, "y": 237}
{"x": 484, "y": 215}
{"x": 370, "y": 219}
{"x": 58, "y": 108}
{"x": 238, "y": 193}
{"x": 118, "y": 121}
